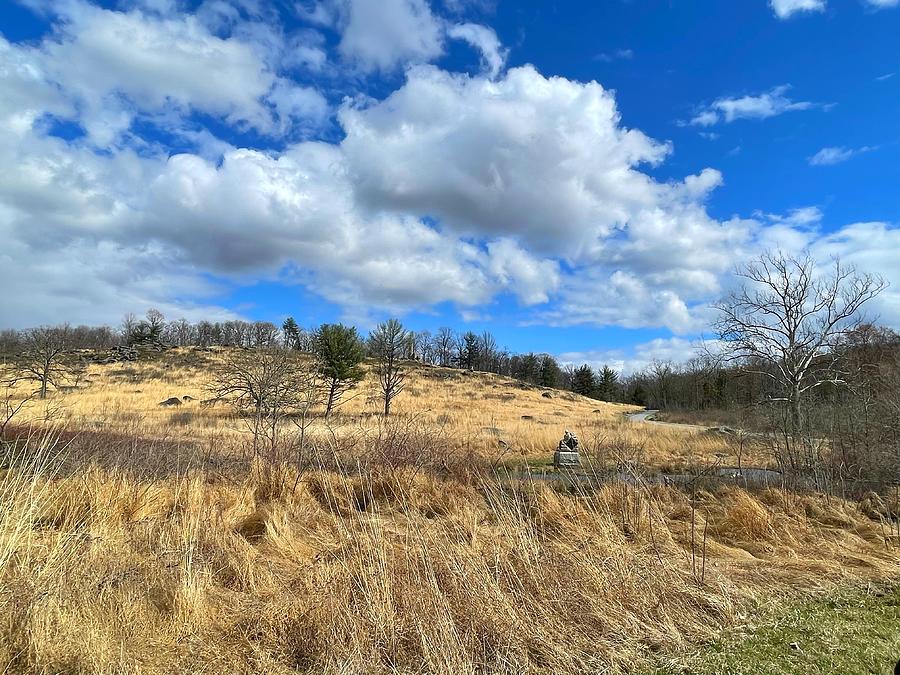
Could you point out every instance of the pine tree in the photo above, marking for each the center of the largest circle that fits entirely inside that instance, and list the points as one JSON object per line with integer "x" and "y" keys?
{"x": 550, "y": 372}
{"x": 291, "y": 333}
{"x": 583, "y": 381}
{"x": 468, "y": 354}
{"x": 340, "y": 354}
{"x": 607, "y": 384}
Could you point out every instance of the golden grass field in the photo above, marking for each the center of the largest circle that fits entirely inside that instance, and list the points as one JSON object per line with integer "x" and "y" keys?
{"x": 475, "y": 410}
{"x": 389, "y": 568}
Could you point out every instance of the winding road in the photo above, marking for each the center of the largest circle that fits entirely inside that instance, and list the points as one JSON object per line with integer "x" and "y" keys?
{"x": 649, "y": 415}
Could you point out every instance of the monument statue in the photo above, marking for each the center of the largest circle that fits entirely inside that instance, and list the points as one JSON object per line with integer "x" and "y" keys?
{"x": 566, "y": 454}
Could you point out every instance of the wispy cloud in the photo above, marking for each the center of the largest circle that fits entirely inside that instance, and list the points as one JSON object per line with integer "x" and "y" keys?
{"x": 761, "y": 106}
{"x": 786, "y": 8}
{"x": 617, "y": 55}
{"x": 886, "y": 76}
{"x": 805, "y": 216}
{"x": 882, "y": 4}
{"x": 836, "y": 155}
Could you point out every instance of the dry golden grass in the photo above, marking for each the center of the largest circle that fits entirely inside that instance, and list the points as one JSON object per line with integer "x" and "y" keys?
{"x": 476, "y": 410}
{"x": 392, "y": 572}
{"x": 383, "y": 567}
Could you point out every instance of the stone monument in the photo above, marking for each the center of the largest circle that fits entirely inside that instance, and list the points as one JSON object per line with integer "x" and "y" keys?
{"x": 566, "y": 455}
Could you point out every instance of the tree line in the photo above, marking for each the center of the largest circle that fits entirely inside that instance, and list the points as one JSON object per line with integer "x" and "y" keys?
{"x": 445, "y": 347}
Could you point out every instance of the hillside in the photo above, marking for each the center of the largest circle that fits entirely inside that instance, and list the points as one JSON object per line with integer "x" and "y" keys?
{"x": 470, "y": 410}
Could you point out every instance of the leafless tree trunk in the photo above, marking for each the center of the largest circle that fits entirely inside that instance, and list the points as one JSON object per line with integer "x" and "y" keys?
{"x": 786, "y": 322}
{"x": 791, "y": 319}
{"x": 45, "y": 358}
{"x": 269, "y": 385}
{"x": 444, "y": 342}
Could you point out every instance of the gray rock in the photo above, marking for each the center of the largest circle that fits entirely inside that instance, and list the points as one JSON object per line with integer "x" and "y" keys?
{"x": 171, "y": 401}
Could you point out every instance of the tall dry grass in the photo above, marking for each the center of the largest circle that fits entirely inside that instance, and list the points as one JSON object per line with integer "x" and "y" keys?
{"x": 494, "y": 416}
{"x": 387, "y": 566}
{"x": 141, "y": 539}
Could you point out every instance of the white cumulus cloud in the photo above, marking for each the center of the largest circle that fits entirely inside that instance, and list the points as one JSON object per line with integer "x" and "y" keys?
{"x": 384, "y": 34}
{"x": 454, "y": 188}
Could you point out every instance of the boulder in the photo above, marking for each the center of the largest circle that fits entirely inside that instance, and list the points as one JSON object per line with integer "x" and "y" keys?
{"x": 171, "y": 401}
{"x": 547, "y": 394}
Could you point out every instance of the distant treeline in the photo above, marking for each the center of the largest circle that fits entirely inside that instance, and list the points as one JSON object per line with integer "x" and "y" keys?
{"x": 702, "y": 383}
{"x": 445, "y": 347}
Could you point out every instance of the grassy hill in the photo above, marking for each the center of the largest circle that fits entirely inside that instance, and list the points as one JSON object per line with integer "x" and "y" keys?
{"x": 470, "y": 410}
{"x": 138, "y": 538}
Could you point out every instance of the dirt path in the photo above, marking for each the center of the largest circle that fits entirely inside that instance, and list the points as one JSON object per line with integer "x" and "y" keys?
{"x": 648, "y": 416}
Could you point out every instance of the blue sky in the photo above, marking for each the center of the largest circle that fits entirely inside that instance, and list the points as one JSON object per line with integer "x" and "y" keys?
{"x": 576, "y": 177}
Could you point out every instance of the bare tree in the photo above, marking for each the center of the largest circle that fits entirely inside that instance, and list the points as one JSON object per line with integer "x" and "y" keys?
{"x": 422, "y": 348}
{"x": 791, "y": 320}
{"x": 11, "y": 403}
{"x": 487, "y": 351}
{"x": 388, "y": 344}
{"x": 444, "y": 344}
{"x": 129, "y": 323}
{"x": 265, "y": 334}
{"x": 46, "y": 358}
{"x": 661, "y": 375}
{"x": 181, "y": 332}
{"x": 266, "y": 386}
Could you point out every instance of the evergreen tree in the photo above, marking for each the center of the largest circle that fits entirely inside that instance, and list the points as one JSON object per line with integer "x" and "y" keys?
{"x": 583, "y": 381}
{"x": 607, "y": 384}
{"x": 550, "y": 372}
{"x": 291, "y": 333}
{"x": 149, "y": 329}
{"x": 529, "y": 368}
{"x": 468, "y": 354}
{"x": 340, "y": 354}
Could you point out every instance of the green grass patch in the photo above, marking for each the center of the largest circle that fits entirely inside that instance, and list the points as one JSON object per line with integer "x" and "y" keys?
{"x": 853, "y": 634}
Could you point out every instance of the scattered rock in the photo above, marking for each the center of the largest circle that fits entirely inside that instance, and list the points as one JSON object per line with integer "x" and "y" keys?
{"x": 527, "y": 417}
{"x": 547, "y": 394}
{"x": 188, "y": 398}
{"x": 171, "y": 401}
{"x": 597, "y": 410}
{"x": 124, "y": 353}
